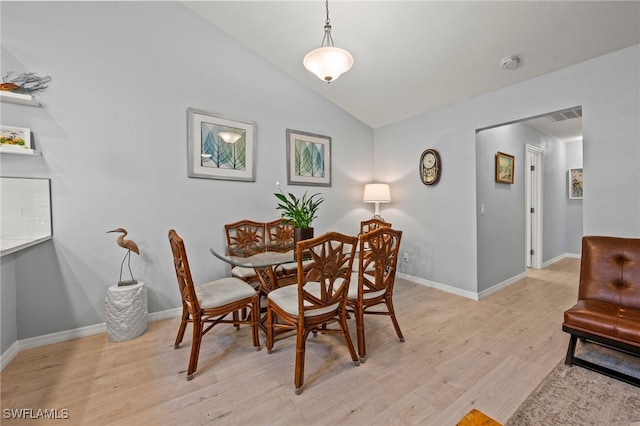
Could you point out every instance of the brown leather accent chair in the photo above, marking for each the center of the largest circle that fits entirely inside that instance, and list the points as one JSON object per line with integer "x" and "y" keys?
{"x": 608, "y": 308}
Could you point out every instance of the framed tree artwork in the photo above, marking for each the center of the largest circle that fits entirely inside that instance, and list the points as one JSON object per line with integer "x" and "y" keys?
{"x": 308, "y": 159}
{"x": 220, "y": 147}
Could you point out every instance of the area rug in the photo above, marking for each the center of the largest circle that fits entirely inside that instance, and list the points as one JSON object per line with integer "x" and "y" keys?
{"x": 577, "y": 396}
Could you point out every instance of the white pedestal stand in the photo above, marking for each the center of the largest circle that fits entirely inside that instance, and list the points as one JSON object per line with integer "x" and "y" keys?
{"x": 126, "y": 311}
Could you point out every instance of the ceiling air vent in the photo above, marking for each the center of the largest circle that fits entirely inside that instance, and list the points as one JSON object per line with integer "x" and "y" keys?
{"x": 565, "y": 115}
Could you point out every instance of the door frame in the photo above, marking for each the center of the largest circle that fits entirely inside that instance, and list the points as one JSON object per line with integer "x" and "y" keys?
{"x": 533, "y": 200}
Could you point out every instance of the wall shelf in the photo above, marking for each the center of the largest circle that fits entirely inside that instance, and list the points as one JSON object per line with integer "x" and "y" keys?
{"x": 19, "y": 152}
{"x": 18, "y": 98}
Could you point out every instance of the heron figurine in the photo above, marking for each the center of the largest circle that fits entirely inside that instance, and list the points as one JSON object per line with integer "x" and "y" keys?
{"x": 131, "y": 246}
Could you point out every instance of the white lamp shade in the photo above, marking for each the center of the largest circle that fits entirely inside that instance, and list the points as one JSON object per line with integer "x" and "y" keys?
{"x": 328, "y": 63}
{"x": 376, "y": 193}
{"x": 229, "y": 137}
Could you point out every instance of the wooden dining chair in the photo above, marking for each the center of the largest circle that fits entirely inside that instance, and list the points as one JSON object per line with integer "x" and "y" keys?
{"x": 209, "y": 304}
{"x": 372, "y": 225}
{"x": 318, "y": 299}
{"x": 245, "y": 238}
{"x": 373, "y": 283}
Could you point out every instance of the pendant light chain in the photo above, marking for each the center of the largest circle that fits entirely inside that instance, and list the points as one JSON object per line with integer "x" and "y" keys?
{"x": 327, "y": 28}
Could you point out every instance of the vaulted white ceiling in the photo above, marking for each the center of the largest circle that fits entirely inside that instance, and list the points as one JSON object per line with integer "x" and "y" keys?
{"x": 413, "y": 57}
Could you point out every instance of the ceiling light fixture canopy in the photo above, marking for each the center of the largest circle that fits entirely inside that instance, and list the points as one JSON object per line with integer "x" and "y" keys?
{"x": 328, "y": 62}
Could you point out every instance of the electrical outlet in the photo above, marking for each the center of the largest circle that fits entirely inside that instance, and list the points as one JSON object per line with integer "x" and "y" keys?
{"x": 406, "y": 257}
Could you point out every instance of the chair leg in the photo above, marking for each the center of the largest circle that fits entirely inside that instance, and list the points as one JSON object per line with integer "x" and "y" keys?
{"x": 392, "y": 314}
{"x": 270, "y": 319}
{"x": 255, "y": 319}
{"x": 571, "y": 350}
{"x": 195, "y": 347}
{"x": 182, "y": 328}
{"x": 362, "y": 347}
{"x": 301, "y": 337}
{"x": 345, "y": 332}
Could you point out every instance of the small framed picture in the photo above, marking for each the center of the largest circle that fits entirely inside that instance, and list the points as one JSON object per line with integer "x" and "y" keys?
{"x": 308, "y": 159}
{"x": 505, "y": 167}
{"x": 220, "y": 147}
{"x": 15, "y": 138}
{"x": 575, "y": 184}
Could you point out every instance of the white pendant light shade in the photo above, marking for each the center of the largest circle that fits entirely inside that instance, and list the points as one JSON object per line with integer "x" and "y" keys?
{"x": 328, "y": 63}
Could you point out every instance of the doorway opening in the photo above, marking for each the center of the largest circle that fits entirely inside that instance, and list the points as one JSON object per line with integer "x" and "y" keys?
{"x": 531, "y": 222}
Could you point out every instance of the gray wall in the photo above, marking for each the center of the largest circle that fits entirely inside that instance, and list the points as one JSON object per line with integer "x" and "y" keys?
{"x": 9, "y": 330}
{"x": 440, "y": 221}
{"x": 112, "y": 130}
{"x": 501, "y": 230}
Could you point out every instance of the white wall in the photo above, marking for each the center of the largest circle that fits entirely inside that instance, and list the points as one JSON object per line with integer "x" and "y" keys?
{"x": 439, "y": 222}
{"x": 112, "y": 130}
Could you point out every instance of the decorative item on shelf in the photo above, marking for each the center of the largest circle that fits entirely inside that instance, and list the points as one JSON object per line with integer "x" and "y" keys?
{"x": 14, "y": 139}
{"x": 328, "y": 62}
{"x": 377, "y": 193}
{"x": 131, "y": 246}
{"x": 505, "y": 167}
{"x": 299, "y": 211}
{"x": 430, "y": 167}
{"x": 25, "y": 82}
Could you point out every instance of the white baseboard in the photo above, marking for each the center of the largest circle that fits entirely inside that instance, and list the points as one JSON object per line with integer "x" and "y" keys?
{"x": 8, "y": 355}
{"x": 63, "y": 336}
{"x": 484, "y": 293}
{"x": 438, "y": 286}
{"x": 559, "y": 258}
{"x": 460, "y": 292}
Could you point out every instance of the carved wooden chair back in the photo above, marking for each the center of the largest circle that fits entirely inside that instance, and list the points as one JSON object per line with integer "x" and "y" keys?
{"x": 245, "y": 237}
{"x": 372, "y": 225}
{"x": 373, "y": 284}
{"x": 279, "y": 235}
{"x": 183, "y": 274}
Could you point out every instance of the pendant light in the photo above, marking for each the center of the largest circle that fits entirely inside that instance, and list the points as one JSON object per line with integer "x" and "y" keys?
{"x": 328, "y": 62}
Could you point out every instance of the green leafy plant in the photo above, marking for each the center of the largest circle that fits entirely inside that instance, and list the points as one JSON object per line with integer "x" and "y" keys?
{"x": 300, "y": 211}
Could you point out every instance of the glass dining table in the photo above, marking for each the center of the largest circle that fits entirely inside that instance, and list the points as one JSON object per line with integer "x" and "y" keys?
{"x": 273, "y": 267}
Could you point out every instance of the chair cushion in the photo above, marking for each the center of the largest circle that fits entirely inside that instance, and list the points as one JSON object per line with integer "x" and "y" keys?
{"x": 242, "y": 272}
{"x": 353, "y": 289}
{"x": 223, "y": 291}
{"x": 605, "y": 318}
{"x": 287, "y": 299}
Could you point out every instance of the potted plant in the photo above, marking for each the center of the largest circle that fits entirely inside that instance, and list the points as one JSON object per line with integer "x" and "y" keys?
{"x": 299, "y": 211}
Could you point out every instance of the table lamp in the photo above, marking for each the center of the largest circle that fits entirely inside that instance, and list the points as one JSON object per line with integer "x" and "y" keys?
{"x": 377, "y": 193}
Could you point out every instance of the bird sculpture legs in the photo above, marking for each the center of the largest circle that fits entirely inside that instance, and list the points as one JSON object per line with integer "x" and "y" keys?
{"x": 132, "y": 280}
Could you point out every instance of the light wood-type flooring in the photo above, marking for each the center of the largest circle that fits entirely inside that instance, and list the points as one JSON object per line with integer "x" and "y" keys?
{"x": 459, "y": 354}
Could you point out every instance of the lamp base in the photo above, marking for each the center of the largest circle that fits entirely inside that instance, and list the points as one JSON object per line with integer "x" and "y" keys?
{"x": 378, "y": 217}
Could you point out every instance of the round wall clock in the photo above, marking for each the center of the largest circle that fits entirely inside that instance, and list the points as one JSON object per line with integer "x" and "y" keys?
{"x": 430, "y": 167}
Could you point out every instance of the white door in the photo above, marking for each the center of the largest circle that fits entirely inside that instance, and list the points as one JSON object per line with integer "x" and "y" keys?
{"x": 533, "y": 206}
